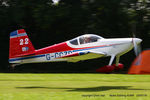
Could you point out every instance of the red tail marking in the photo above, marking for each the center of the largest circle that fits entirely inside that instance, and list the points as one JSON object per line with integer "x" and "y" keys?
{"x": 20, "y": 44}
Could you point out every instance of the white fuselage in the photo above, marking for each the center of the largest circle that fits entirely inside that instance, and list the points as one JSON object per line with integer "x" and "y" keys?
{"x": 108, "y": 47}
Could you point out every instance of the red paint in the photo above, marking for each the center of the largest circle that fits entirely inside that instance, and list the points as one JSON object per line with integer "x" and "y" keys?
{"x": 15, "y": 48}
{"x": 54, "y": 48}
{"x": 59, "y": 48}
{"x": 106, "y": 69}
{"x": 21, "y": 31}
{"x": 119, "y": 67}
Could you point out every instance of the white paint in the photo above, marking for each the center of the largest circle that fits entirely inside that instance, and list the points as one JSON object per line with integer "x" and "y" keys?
{"x": 101, "y": 48}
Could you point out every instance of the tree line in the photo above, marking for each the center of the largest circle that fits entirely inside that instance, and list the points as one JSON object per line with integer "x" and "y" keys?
{"x": 47, "y": 23}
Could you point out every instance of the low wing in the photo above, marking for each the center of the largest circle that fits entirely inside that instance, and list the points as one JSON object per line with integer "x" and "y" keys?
{"x": 77, "y": 56}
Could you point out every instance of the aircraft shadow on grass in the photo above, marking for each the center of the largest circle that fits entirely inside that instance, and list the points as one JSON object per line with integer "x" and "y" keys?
{"x": 90, "y": 89}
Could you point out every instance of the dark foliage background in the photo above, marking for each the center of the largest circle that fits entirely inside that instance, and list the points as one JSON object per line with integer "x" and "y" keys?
{"x": 47, "y": 23}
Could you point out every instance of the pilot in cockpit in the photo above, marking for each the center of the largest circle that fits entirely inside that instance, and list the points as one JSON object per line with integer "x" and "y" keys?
{"x": 87, "y": 39}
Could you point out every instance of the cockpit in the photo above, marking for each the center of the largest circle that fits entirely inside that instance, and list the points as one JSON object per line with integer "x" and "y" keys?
{"x": 85, "y": 39}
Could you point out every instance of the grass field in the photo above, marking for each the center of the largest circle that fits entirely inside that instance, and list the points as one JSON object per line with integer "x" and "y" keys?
{"x": 74, "y": 87}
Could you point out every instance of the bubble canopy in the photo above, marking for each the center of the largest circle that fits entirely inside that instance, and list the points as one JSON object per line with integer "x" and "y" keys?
{"x": 84, "y": 39}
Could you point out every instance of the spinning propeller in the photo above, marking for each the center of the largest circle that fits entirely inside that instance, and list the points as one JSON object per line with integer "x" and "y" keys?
{"x": 136, "y": 45}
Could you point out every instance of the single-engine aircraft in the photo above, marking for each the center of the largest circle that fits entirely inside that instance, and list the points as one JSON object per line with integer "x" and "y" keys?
{"x": 84, "y": 47}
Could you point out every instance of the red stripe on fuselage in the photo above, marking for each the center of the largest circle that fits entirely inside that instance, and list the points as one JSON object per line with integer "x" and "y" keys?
{"x": 60, "y": 47}
{"x": 54, "y": 48}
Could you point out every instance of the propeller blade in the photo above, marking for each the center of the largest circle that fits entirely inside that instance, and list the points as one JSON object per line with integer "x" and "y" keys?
{"x": 137, "y": 47}
{"x": 136, "y": 41}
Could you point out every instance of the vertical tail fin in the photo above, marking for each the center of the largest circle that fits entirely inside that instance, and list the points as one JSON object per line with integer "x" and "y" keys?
{"x": 20, "y": 44}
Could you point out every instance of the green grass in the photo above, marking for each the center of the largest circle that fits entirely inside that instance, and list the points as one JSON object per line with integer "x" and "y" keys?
{"x": 74, "y": 87}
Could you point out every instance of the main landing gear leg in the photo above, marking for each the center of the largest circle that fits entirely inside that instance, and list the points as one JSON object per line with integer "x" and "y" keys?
{"x": 111, "y": 60}
{"x": 118, "y": 66}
